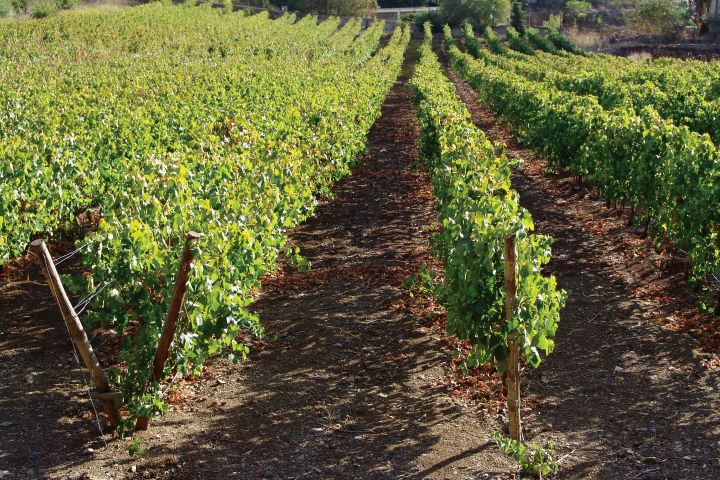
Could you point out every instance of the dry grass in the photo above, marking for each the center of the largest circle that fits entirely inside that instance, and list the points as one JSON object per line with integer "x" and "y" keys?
{"x": 588, "y": 39}
{"x": 640, "y": 56}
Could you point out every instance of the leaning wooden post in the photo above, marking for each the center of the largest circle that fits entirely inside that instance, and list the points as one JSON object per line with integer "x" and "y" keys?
{"x": 174, "y": 310}
{"x": 77, "y": 333}
{"x": 513, "y": 361}
{"x": 171, "y": 320}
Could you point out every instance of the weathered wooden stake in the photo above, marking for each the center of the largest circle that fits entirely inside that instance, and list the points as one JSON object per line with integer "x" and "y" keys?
{"x": 175, "y": 305}
{"x": 631, "y": 220}
{"x": 77, "y": 333}
{"x": 171, "y": 320}
{"x": 513, "y": 362}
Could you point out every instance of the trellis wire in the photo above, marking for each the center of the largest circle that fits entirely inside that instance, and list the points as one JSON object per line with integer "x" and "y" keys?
{"x": 77, "y": 359}
{"x": 62, "y": 258}
{"x": 82, "y": 304}
{"x": 67, "y": 256}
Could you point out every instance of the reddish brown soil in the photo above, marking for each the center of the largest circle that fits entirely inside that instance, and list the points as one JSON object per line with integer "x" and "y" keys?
{"x": 626, "y": 396}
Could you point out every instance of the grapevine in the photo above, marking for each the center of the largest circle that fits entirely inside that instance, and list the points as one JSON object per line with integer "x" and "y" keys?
{"x": 477, "y": 209}
{"x": 668, "y": 171}
{"x": 173, "y": 119}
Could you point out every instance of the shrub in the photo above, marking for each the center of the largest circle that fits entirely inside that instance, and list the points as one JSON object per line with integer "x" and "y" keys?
{"x": 518, "y": 43}
{"x": 577, "y": 10}
{"x": 534, "y": 460}
{"x": 539, "y": 41}
{"x": 562, "y": 42}
{"x": 494, "y": 43}
{"x": 555, "y": 20}
{"x": 333, "y": 7}
{"x": 6, "y": 9}
{"x": 657, "y": 16}
{"x": 20, "y": 5}
{"x": 44, "y": 9}
{"x": 352, "y": 7}
{"x": 479, "y": 13}
{"x": 66, "y": 4}
{"x": 420, "y": 18}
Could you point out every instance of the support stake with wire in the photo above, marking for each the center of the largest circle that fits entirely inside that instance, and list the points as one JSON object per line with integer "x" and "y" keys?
{"x": 77, "y": 332}
{"x": 171, "y": 320}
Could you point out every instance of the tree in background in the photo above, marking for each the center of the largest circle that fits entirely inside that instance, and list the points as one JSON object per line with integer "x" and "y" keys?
{"x": 479, "y": 13}
{"x": 6, "y": 9}
{"x": 404, "y": 3}
{"x": 577, "y": 10}
{"x": 20, "y": 5}
{"x": 700, "y": 12}
{"x": 357, "y": 8}
{"x": 517, "y": 18}
{"x": 658, "y": 16}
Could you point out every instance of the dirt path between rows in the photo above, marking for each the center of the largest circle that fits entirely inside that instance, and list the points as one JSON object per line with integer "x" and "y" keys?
{"x": 350, "y": 383}
{"x": 623, "y": 396}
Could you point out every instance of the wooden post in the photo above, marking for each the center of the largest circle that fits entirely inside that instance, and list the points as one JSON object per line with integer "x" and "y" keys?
{"x": 77, "y": 332}
{"x": 632, "y": 215}
{"x": 171, "y": 320}
{"x": 174, "y": 310}
{"x": 513, "y": 361}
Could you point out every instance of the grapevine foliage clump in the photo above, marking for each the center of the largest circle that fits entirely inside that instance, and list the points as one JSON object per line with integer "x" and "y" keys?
{"x": 641, "y": 132}
{"x": 164, "y": 119}
{"x": 478, "y": 209}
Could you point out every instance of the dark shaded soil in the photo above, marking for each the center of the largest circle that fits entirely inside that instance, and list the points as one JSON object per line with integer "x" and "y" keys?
{"x": 623, "y": 396}
{"x": 44, "y": 416}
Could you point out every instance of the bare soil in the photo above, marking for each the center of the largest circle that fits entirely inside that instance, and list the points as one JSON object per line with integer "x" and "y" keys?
{"x": 630, "y": 391}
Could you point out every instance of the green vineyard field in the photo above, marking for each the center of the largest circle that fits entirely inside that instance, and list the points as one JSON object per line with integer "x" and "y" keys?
{"x": 289, "y": 244}
{"x": 626, "y": 144}
{"x": 165, "y": 120}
